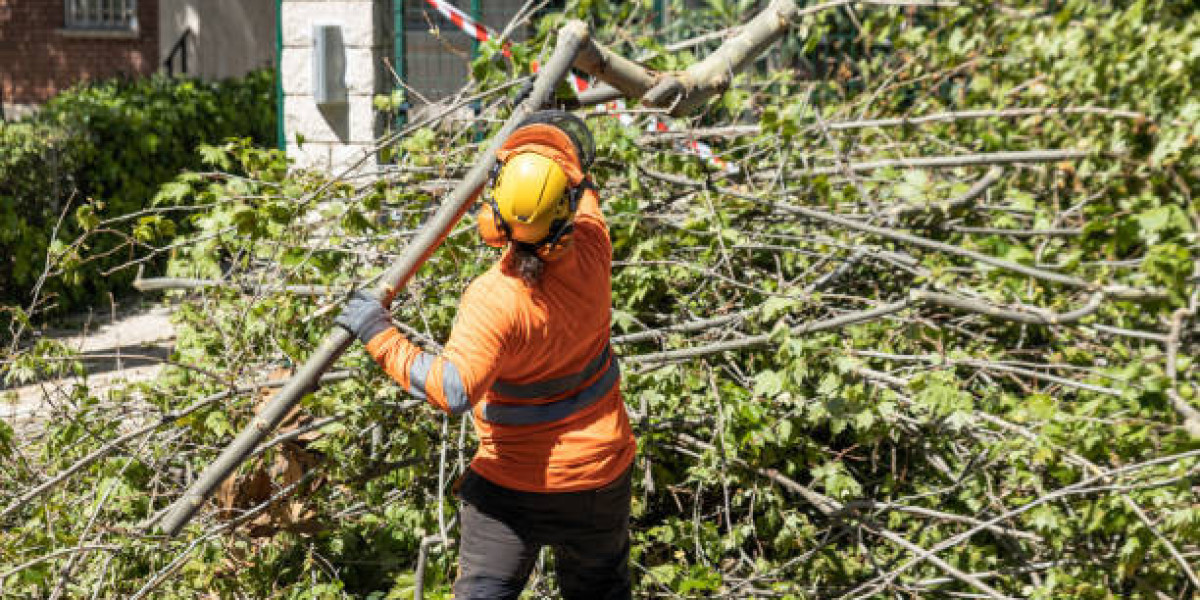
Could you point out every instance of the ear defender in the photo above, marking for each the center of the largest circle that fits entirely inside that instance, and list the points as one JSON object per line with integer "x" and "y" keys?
{"x": 562, "y": 231}
{"x": 488, "y": 224}
{"x": 491, "y": 226}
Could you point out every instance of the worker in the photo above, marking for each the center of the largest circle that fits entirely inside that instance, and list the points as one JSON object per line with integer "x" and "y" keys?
{"x": 529, "y": 357}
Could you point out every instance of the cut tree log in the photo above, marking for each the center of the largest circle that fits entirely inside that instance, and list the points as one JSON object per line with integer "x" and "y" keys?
{"x": 685, "y": 91}
{"x": 571, "y": 38}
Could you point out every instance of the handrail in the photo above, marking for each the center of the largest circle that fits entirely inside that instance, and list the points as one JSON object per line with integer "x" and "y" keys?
{"x": 180, "y": 49}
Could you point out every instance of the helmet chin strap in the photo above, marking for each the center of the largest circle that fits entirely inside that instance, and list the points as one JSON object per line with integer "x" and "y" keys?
{"x": 548, "y": 248}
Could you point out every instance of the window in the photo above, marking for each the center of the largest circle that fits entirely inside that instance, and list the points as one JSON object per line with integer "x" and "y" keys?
{"x": 102, "y": 15}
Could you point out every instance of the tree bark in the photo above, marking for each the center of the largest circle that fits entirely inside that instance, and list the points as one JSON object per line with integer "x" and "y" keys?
{"x": 685, "y": 91}
{"x": 943, "y": 117}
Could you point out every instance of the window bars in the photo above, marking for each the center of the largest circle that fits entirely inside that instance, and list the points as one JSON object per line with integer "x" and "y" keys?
{"x": 110, "y": 15}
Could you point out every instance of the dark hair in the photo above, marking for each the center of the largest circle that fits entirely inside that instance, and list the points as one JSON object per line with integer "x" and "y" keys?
{"x": 527, "y": 264}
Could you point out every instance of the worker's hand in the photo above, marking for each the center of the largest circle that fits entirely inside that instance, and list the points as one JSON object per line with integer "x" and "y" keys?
{"x": 364, "y": 316}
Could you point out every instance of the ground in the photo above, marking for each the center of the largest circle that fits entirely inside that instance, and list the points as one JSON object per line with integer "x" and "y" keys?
{"x": 129, "y": 345}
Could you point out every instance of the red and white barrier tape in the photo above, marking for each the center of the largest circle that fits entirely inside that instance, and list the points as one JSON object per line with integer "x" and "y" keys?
{"x": 481, "y": 33}
{"x": 462, "y": 20}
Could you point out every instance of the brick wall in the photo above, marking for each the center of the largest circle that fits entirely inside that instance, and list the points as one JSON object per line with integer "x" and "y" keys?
{"x": 38, "y": 58}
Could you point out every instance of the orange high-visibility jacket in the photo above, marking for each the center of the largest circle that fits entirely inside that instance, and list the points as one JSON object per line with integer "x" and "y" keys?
{"x": 534, "y": 367}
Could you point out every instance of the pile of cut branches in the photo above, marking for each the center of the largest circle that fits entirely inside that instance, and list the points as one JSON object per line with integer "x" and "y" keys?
{"x": 932, "y": 334}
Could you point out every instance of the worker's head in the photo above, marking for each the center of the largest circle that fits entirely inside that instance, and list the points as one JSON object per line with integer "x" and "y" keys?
{"x": 534, "y": 190}
{"x": 528, "y": 201}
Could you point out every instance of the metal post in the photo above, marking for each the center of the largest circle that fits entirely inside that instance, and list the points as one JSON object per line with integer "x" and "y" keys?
{"x": 477, "y": 106}
{"x": 477, "y": 14}
{"x": 280, "y": 131}
{"x": 399, "y": 62}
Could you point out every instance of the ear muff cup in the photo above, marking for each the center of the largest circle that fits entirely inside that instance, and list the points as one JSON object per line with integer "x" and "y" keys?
{"x": 555, "y": 245}
{"x": 491, "y": 227}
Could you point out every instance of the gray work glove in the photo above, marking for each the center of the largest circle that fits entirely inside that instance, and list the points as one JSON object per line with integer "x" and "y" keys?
{"x": 364, "y": 316}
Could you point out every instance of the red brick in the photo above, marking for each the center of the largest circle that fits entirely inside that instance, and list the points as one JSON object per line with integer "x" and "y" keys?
{"x": 39, "y": 61}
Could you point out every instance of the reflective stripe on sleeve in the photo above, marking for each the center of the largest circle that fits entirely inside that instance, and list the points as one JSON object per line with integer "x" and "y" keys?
{"x": 553, "y": 387}
{"x": 453, "y": 389}
{"x": 417, "y": 374}
{"x": 532, "y": 414}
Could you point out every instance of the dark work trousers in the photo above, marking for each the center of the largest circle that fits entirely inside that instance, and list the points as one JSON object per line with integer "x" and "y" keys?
{"x": 503, "y": 530}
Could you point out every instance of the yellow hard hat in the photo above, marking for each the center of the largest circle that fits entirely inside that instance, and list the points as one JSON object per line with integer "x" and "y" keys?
{"x": 530, "y": 196}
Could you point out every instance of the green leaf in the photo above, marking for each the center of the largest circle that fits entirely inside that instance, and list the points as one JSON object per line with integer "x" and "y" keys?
{"x": 700, "y": 579}
{"x": 215, "y": 156}
{"x": 1040, "y": 406}
{"x": 86, "y": 217}
{"x": 778, "y": 306}
{"x": 663, "y": 574}
{"x": 830, "y": 384}
{"x": 6, "y": 438}
{"x": 1163, "y": 219}
{"x": 218, "y": 423}
{"x": 768, "y": 383}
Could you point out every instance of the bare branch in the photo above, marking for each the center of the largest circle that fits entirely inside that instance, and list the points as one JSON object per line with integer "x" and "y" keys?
{"x": 975, "y": 191}
{"x": 1191, "y": 416}
{"x": 1040, "y": 317}
{"x": 952, "y": 162}
{"x": 685, "y": 91}
{"x": 162, "y": 284}
{"x": 764, "y": 339}
{"x": 945, "y": 117}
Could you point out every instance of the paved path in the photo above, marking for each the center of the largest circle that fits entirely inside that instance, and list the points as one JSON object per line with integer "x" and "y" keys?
{"x": 127, "y": 349}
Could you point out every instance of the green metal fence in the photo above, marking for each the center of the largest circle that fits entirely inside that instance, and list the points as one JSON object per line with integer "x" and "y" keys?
{"x": 431, "y": 54}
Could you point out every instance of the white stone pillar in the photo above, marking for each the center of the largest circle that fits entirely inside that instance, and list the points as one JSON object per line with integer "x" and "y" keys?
{"x": 333, "y": 137}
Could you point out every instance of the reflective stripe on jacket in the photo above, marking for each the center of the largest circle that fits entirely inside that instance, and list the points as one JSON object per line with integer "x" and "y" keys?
{"x": 559, "y": 407}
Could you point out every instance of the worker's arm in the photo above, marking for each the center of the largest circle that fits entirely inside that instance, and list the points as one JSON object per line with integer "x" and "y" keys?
{"x": 454, "y": 380}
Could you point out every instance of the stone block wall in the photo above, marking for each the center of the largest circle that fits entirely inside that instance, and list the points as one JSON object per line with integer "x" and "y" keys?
{"x": 334, "y": 137}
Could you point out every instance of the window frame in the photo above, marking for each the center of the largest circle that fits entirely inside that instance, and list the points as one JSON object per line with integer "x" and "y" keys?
{"x": 117, "y": 17}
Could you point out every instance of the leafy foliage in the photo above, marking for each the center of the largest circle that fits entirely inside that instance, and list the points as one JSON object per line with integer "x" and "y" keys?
{"x": 776, "y": 458}
{"x": 97, "y": 153}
